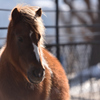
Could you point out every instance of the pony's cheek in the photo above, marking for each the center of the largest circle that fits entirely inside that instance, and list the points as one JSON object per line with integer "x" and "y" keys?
{"x": 23, "y": 64}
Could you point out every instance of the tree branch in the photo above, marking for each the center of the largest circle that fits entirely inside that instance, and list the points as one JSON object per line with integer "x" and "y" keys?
{"x": 89, "y": 8}
{"x": 79, "y": 17}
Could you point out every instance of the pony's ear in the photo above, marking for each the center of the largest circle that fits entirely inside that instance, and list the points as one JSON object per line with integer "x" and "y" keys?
{"x": 16, "y": 15}
{"x": 39, "y": 12}
{"x": 39, "y": 36}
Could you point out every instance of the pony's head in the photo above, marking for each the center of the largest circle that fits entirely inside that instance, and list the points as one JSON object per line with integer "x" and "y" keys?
{"x": 24, "y": 41}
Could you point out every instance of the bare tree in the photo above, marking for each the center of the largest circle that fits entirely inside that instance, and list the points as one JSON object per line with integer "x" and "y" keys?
{"x": 95, "y": 49}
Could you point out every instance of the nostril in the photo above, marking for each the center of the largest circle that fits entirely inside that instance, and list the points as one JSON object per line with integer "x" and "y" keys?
{"x": 38, "y": 73}
{"x": 43, "y": 69}
{"x": 34, "y": 73}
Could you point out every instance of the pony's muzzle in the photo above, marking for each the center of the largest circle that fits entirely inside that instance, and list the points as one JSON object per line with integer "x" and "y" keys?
{"x": 36, "y": 75}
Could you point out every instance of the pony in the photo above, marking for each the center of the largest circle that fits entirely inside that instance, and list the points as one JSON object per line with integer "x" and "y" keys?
{"x": 27, "y": 70}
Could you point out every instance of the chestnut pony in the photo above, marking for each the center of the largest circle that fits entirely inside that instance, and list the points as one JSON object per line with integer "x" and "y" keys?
{"x": 27, "y": 70}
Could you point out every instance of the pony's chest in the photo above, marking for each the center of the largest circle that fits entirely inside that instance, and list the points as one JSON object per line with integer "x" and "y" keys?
{"x": 19, "y": 93}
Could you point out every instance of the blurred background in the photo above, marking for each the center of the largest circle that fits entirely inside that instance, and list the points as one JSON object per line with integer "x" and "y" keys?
{"x": 72, "y": 35}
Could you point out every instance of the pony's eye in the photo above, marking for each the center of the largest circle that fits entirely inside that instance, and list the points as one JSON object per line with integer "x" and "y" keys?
{"x": 20, "y": 39}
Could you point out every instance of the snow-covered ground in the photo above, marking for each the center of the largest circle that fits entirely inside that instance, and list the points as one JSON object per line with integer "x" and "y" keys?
{"x": 86, "y": 84}
{"x": 88, "y": 90}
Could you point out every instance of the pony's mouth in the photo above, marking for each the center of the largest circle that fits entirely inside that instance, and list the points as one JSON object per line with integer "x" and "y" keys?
{"x": 36, "y": 78}
{"x": 35, "y": 81}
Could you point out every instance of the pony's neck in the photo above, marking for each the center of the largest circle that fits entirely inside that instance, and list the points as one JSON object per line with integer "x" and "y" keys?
{"x": 7, "y": 69}
{"x": 2, "y": 50}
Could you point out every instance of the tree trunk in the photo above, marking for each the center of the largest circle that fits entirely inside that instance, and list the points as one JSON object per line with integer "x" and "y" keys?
{"x": 95, "y": 53}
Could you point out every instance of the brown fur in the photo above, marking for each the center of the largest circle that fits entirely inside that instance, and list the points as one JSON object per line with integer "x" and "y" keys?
{"x": 16, "y": 57}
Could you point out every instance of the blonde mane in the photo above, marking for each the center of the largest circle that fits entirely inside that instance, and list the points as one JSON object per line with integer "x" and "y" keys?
{"x": 29, "y": 16}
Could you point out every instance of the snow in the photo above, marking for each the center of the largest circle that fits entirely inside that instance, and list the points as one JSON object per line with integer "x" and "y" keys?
{"x": 86, "y": 82}
{"x": 93, "y": 71}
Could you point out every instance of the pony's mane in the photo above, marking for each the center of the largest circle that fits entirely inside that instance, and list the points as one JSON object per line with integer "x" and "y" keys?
{"x": 29, "y": 16}
{"x": 1, "y": 50}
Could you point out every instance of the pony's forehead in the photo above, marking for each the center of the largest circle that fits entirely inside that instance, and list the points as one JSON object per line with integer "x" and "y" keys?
{"x": 28, "y": 16}
{"x": 23, "y": 29}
